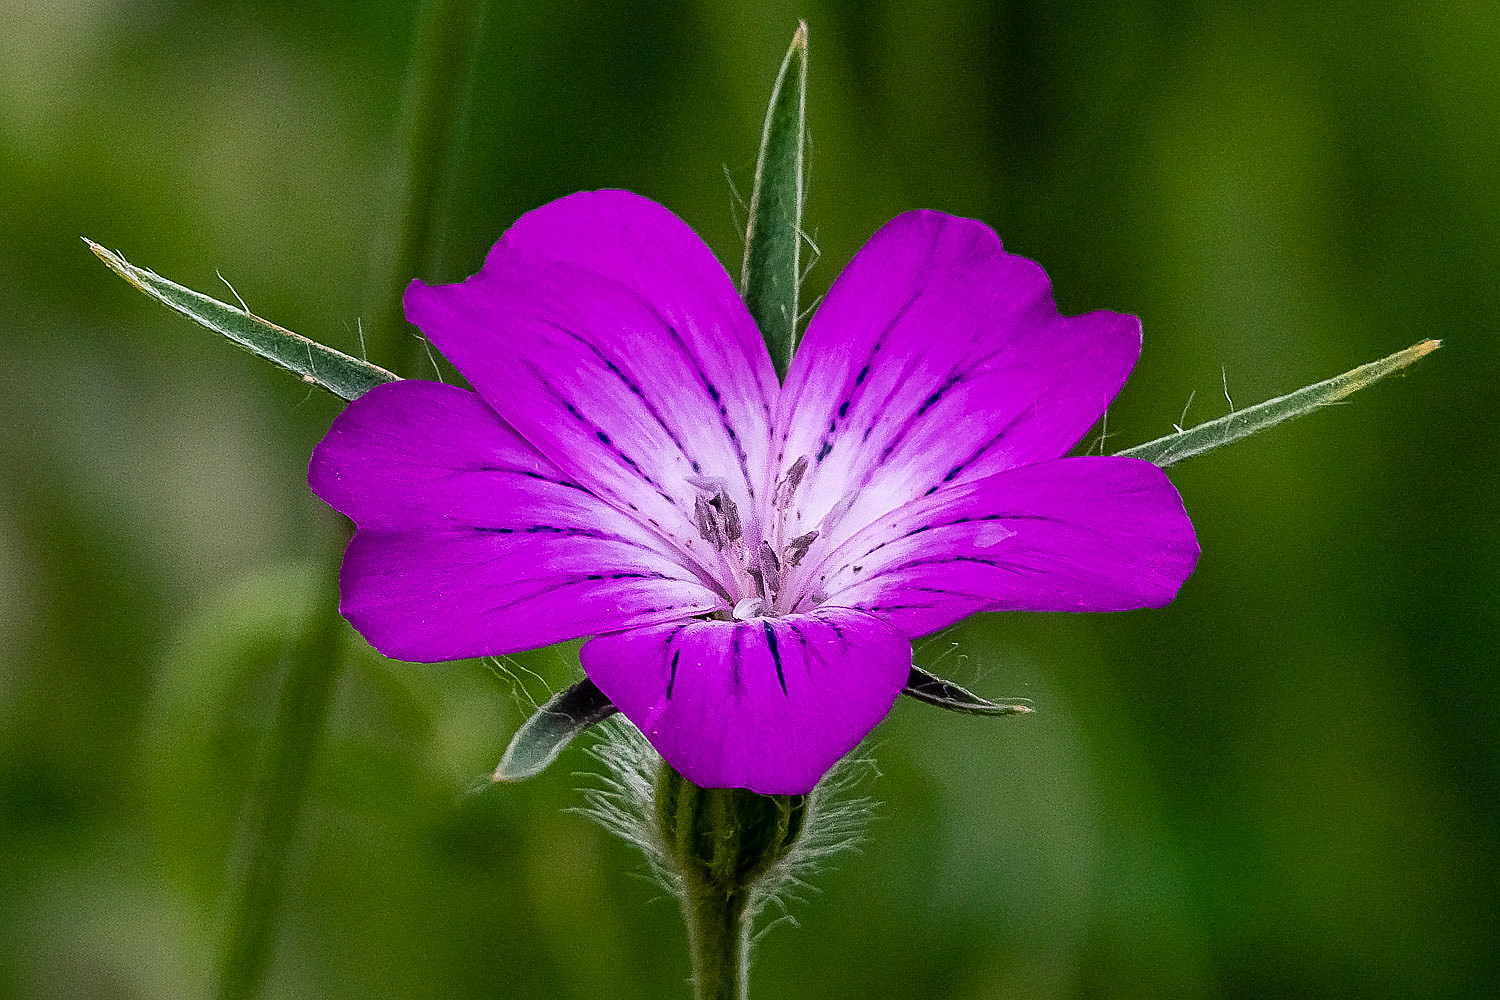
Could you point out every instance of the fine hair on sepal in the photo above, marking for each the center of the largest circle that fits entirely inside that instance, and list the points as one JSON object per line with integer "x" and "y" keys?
{"x": 620, "y": 797}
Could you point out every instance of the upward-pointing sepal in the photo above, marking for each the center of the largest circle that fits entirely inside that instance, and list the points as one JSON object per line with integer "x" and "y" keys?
{"x": 772, "y": 269}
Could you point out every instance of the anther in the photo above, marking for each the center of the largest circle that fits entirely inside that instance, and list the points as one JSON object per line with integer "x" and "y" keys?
{"x": 731, "y": 515}
{"x": 770, "y": 571}
{"x": 710, "y": 524}
{"x": 782, "y": 497}
{"x": 711, "y": 485}
{"x": 797, "y": 547}
{"x": 718, "y": 517}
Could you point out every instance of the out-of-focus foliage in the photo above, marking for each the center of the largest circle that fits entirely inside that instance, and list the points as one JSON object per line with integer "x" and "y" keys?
{"x": 1282, "y": 785}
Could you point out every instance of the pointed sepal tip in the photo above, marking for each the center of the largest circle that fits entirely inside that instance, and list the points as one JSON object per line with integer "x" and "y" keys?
{"x": 550, "y": 729}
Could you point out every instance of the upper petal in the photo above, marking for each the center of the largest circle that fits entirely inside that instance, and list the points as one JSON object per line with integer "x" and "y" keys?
{"x": 768, "y": 704}
{"x": 651, "y": 251}
{"x": 470, "y": 542}
{"x": 608, "y": 335}
{"x": 938, "y": 358}
{"x": 1075, "y": 534}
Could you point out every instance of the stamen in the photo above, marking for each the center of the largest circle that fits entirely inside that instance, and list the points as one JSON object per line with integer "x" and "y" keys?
{"x": 748, "y": 608}
{"x": 731, "y": 514}
{"x": 710, "y": 524}
{"x": 834, "y": 516}
{"x": 782, "y": 497}
{"x": 711, "y": 485}
{"x": 770, "y": 570}
{"x": 718, "y": 517}
{"x": 797, "y": 547}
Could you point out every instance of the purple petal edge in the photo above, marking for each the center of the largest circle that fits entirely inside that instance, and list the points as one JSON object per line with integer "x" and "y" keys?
{"x": 1075, "y": 534}
{"x": 470, "y": 543}
{"x": 768, "y": 704}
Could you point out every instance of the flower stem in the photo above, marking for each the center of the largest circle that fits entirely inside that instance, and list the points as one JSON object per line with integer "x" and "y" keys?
{"x": 722, "y": 843}
{"x": 718, "y": 927}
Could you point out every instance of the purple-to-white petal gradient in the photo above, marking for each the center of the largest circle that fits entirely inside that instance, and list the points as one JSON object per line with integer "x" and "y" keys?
{"x": 470, "y": 543}
{"x": 938, "y": 358}
{"x": 630, "y": 362}
{"x": 753, "y": 560}
{"x": 1075, "y": 534}
{"x": 768, "y": 704}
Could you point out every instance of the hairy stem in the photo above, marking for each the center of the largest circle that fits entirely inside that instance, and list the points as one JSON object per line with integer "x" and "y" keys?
{"x": 718, "y": 928}
{"x": 723, "y": 842}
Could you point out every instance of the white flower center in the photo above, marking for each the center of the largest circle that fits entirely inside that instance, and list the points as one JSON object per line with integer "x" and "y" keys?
{"x": 755, "y": 578}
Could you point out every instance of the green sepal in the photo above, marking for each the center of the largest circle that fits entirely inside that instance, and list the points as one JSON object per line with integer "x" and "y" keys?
{"x": 556, "y": 724}
{"x": 773, "y": 231}
{"x": 725, "y": 838}
{"x": 721, "y": 842}
{"x": 342, "y": 375}
{"x": 934, "y": 690}
{"x": 1254, "y": 419}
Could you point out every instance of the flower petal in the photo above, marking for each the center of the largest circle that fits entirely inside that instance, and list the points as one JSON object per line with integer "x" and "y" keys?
{"x": 606, "y": 333}
{"x": 768, "y": 704}
{"x": 647, "y": 248}
{"x": 938, "y": 358}
{"x": 471, "y": 543}
{"x": 1076, "y": 534}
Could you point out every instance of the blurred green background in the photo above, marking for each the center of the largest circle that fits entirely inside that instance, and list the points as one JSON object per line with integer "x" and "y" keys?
{"x": 1283, "y": 785}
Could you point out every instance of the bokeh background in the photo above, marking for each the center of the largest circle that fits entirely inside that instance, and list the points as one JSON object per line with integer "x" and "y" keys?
{"x": 1283, "y": 785}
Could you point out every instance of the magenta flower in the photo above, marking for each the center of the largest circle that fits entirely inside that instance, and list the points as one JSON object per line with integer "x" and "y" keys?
{"x": 753, "y": 560}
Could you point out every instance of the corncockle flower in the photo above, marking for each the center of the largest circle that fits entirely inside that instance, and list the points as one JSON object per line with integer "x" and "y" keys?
{"x": 751, "y": 559}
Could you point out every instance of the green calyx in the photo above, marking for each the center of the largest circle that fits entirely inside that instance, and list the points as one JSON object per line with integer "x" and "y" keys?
{"x": 725, "y": 839}
{"x": 722, "y": 843}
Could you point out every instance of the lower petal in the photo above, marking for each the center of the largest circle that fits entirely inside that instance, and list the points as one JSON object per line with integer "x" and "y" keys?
{"x": 768, "y": 704}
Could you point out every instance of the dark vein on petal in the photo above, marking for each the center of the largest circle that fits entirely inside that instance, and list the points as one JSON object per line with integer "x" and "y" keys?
{"x": 954, "y": 472}
{"x": 635, "y": 390}
{"x": 725, "y": 423}
{"x": 734, "y": 658}
{"x": 672, "y": 675}
{"x": 775, "y": 649}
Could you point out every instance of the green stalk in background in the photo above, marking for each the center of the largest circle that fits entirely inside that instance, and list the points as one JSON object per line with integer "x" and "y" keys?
{"x": 437, "y": 87}
{"x": 437, "y": 81}
{"x": 270, "y": 823}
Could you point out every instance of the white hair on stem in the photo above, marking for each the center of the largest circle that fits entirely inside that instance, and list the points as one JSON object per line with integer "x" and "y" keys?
{"x": 621, "y": 799}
